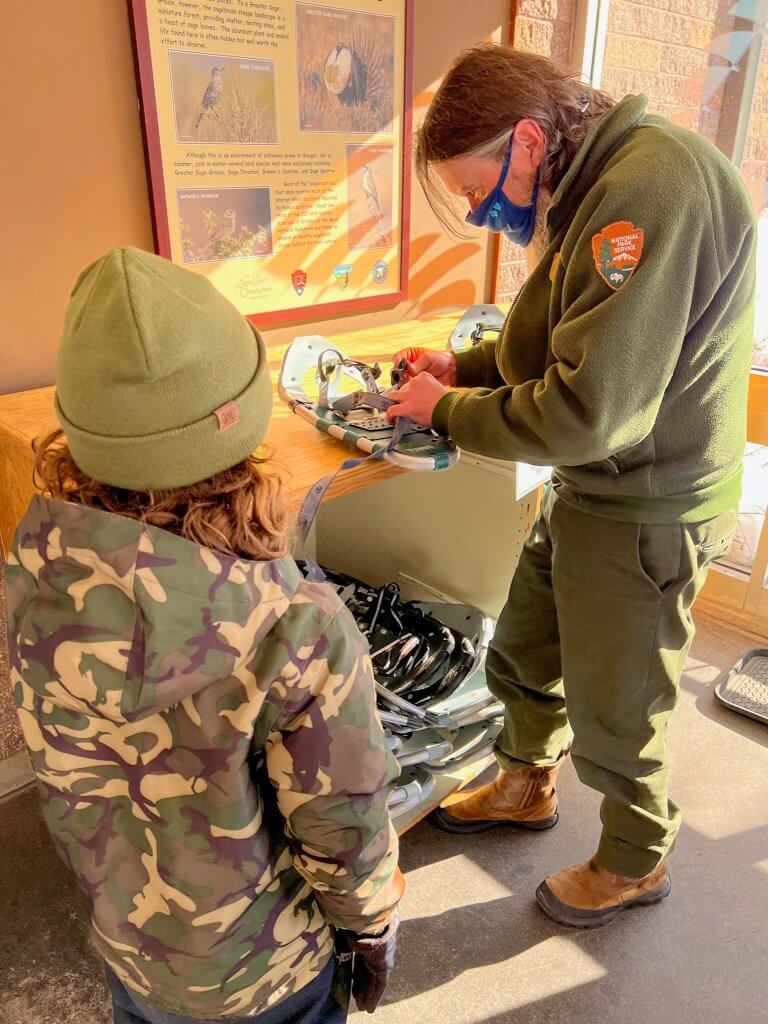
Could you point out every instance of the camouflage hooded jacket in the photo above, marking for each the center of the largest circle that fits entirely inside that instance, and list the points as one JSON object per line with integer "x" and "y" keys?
{"x": 211, "y": 765}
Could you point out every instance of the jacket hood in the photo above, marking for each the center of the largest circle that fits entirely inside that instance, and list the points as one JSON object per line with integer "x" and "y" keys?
{"x": 121, "y": 620}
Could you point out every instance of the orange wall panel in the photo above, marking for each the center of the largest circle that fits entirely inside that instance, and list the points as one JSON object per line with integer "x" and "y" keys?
{"x": 74, "y": 181}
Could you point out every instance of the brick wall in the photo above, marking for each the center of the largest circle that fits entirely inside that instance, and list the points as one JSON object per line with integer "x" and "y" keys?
{"x": 663, "y": 48}
{"x": 668, "y": 50}
{"x": 673, "y": 51}
{"x": 754, "y": 169}
{"x": 544, "y": 27}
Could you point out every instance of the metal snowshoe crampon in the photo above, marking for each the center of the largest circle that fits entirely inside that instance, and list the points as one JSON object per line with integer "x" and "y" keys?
{"x": 342, "y": 397}
{"x": 479, "y": 323}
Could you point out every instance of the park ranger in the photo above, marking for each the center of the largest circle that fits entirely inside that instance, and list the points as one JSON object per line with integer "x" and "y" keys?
{"x": 623, "y": 364}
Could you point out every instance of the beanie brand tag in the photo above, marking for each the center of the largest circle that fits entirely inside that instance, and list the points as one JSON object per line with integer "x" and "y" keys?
{"x": 228, "y": 415}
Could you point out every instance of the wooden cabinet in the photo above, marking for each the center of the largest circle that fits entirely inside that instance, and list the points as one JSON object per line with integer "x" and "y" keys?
{"x": 743, "y": 600}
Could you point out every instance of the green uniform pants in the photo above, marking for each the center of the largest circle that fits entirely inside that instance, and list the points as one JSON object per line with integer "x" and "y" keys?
{"x": 593, "y": 636}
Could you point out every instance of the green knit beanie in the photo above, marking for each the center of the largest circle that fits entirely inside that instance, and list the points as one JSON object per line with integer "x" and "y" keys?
{"x": 161, "y": 382}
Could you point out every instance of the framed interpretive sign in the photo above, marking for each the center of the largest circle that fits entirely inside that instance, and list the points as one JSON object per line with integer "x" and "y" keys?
{"x": 278, "y": 148}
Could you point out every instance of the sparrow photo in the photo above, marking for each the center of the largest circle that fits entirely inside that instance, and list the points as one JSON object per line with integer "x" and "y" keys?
{"x": 224, "y": 224}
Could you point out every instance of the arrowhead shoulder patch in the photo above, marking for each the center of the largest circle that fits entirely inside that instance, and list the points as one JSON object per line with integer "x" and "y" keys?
{"x": 616, "y": 251}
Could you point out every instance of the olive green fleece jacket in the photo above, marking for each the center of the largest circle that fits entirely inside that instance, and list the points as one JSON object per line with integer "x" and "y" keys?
{"x": 624, "y": 362}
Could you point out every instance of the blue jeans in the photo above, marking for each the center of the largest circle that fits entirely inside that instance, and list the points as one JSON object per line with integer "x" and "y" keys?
{"x": 324, "y": 1001}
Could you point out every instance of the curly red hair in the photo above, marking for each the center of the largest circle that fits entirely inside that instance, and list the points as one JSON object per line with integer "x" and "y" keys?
{"x": 241, "y": 511}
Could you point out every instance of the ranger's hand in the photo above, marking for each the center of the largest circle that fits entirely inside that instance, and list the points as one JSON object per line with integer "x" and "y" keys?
{"x": 442, "y": 365}
{"x": 417, "y": 399}
{"x": 374, "y": 959}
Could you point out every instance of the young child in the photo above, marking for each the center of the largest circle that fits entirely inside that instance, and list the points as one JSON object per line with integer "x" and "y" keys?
{"x": 201, "y": 720}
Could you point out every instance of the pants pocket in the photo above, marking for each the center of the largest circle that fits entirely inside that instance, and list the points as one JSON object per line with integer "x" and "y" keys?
{"x": 716, "y": 537}
{"x": 659, "y": 554}
{"x": 711, "y": 552}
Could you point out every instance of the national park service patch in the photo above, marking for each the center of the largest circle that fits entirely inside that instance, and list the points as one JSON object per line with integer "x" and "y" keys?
{"x": 616, "y": 251}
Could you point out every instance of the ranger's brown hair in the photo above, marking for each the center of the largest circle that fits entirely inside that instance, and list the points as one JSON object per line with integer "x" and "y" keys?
{"x": 486, "y": 92}
{"x": 241, "y": 511}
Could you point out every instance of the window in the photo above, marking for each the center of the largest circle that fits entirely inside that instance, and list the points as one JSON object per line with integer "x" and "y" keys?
{"x": 704, "y": 65}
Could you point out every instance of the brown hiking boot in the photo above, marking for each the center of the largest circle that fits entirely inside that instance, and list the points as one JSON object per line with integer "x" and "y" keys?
{"x": 587, "y": 896}
{"x": 521, "y": 799}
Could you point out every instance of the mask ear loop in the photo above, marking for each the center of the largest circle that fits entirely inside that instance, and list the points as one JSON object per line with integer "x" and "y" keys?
{"x": 505, "y": 170}
{"x": 505, "y": 165}
{"x": 535, "y": 196}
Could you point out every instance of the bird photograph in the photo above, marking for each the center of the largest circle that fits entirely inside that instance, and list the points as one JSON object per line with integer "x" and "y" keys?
{"x": 369, "y": 171}
{"x": 373, "y": 204}
{"x": 222, "y": 229}
{"x": 233, "y": 223}
{"x": 345, "y": 75}
{"x": 212, "y": 95}
{"x": 219, "y": 99}
{"x": 346, "y": 69}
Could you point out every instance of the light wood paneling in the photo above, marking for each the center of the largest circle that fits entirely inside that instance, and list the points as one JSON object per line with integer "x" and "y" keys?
{"x": 744, "y": 603}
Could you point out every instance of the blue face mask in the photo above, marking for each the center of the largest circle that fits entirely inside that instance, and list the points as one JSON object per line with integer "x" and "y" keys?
{"x": 499, "y": 213}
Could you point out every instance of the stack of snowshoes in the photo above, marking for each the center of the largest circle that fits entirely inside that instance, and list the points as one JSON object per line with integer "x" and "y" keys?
{"x": 428, "y": 660}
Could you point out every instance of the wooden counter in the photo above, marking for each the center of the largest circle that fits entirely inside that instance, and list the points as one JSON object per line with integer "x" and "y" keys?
{"x": 304, "y": 453}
